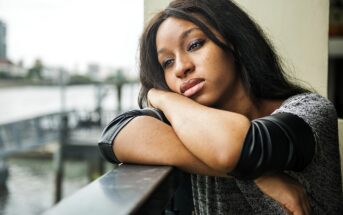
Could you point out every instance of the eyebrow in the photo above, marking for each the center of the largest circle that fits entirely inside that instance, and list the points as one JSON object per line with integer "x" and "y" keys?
{"x": 183, "y": 36}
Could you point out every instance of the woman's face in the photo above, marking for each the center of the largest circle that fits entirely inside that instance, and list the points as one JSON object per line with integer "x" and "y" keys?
{"x": 194, "y": 65}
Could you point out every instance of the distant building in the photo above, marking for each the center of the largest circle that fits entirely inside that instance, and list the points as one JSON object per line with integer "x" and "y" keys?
{"x": 56, "y": 75}
{"x": 6, "y": 66}
{"x": 3, "y": 51}
{"x": 93, "y": 71}
{"x": 12, "y": 70}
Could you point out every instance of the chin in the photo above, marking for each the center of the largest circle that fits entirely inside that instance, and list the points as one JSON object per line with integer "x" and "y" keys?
{"x": 205, "y": 100}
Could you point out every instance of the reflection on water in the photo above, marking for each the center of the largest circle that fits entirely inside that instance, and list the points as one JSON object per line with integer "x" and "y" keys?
{"x": 30, "y": 188}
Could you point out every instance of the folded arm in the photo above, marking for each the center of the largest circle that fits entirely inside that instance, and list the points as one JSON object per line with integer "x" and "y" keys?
{"x": 147, "y": 140}
{"x": 200, "y": 137}
{"x": 229, "y": 142}
{"x": 222, "y": 141}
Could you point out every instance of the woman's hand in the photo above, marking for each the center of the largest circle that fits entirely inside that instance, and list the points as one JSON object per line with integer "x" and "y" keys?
{"x": 287, "y": 191}
{"x": 155, "y": 96}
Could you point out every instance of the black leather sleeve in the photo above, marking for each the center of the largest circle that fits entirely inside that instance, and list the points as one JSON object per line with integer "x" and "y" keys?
{"x": 117, "y": 124}
{"x": 278, "y": 142}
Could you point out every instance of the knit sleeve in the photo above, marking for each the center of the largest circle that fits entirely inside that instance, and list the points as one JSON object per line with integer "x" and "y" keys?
{"x": 321, "y": 178}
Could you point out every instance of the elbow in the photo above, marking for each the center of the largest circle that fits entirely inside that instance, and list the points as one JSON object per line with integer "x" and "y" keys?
{"x": 225, "y": 162}
{"x": 227, "y": 156}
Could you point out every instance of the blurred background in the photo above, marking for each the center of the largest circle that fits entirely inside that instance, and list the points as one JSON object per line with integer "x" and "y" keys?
{"x": 67, "y": 67}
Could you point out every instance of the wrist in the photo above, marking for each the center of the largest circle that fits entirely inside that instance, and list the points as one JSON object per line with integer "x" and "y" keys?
{"x": 156, "y": 98}
{"x": 162, "y": 99}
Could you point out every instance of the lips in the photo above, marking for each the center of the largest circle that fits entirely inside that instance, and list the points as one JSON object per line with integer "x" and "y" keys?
{"x": 192, "y": 86}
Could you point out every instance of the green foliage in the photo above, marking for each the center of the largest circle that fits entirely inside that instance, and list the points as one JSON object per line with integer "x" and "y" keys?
{"x": 118, "y": 77}
{"x": 35, "y": 72}
{"x": 4, "y": 75}
{"x": 79, "y": 79}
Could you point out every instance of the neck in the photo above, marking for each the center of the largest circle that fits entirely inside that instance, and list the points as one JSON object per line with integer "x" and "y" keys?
{"x": 240, "y": 102}
{"x": 253, "y": 111}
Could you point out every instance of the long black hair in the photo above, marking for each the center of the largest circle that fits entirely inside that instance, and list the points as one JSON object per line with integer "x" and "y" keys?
{"x": 257, "y": 64}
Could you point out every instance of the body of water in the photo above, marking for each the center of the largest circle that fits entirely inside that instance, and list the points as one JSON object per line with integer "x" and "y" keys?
{"x": 30, "y": 186}
{"x": 25, "y": 102}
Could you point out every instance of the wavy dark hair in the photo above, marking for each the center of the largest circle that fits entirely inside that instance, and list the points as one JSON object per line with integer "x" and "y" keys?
{"x": 257, "y": 64}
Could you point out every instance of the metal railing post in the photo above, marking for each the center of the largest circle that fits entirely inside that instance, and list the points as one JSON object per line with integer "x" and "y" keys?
{"x": 3, "y": 173}
{"x": 59, "y": 159}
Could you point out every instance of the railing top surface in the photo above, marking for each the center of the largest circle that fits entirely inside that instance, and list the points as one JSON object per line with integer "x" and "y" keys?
{"x": 34, "y": 117}
{"x": 120, "y": 191}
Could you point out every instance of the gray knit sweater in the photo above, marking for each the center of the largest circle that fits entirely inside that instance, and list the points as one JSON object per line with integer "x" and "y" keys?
{"x": 321, "y": 178}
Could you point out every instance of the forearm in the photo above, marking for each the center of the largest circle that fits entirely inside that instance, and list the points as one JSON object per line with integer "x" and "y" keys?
{"x": 146, "y": 140}
{"x": 214, "y": 136}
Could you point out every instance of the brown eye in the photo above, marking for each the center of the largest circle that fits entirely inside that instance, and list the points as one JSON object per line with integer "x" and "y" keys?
{"x": 167, "y": 63}
{"x": 195, "y": 45}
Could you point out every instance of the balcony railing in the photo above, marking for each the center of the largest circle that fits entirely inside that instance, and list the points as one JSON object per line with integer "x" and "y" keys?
{"x": 132, "y": 189}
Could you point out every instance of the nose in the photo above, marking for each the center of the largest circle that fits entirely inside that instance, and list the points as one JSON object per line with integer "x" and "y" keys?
{"x": 184, "y": 66}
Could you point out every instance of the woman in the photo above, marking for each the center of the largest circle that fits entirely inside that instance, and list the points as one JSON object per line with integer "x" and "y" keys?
{"x": 223, "y": 110}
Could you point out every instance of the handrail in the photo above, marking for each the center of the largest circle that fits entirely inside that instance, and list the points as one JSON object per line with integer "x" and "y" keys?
{"x": 127, "y": 189}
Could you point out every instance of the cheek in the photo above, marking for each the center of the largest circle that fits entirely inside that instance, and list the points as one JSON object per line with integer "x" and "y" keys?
{"x": 171, "y": 82}
{"x": 225, "y": 75}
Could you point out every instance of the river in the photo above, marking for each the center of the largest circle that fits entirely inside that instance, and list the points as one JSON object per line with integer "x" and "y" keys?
{"x": 22, "y": 102}
{"x": 30, "y": 185}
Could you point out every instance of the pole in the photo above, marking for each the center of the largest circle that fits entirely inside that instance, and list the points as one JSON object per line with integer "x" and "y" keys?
{"x": 119, "y": 87}
{"x": 3, "y": 173}
{"x": 63, "y": 135}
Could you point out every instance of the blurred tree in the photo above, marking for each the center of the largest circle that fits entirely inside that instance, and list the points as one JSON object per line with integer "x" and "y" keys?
{"x": 4, "y": 75}
{"x": 79, "y": 79}
{"x": 35, "y": 72}
{"x": 118, "y": 77}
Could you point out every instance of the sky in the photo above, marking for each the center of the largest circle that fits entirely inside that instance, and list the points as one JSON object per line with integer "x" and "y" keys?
{"x": 73, "y": 33}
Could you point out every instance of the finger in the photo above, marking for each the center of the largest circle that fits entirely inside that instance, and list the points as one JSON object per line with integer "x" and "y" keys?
{"x": 297, "y": 209}
{"x": 306, "y": 206}
{"x": 305, "y": 203}
{"x": 287, "y": 211}
{"x": 305, "y": 209}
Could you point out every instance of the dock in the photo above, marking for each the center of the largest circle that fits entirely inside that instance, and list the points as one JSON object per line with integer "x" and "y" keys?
{"x": 73, "y": 135}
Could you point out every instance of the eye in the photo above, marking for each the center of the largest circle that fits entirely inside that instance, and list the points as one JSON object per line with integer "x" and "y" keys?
{"x": 195, "y": 45}
{"x": 167, "y": 63}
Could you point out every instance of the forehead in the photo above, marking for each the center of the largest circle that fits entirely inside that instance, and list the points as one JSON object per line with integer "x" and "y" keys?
{"x": 172, "y": 24}
{"x": 171, "y": 29}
